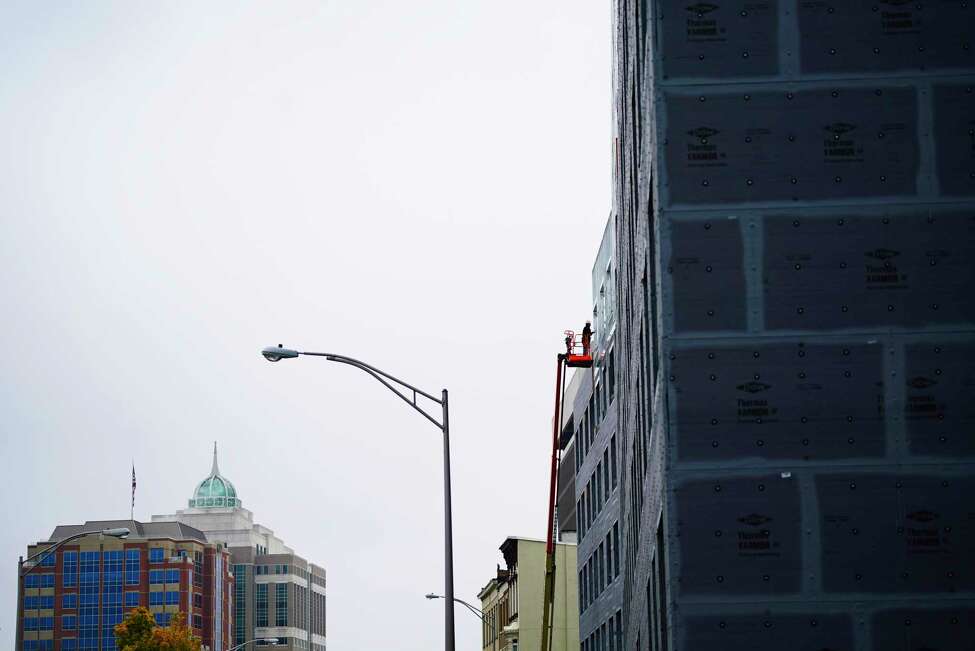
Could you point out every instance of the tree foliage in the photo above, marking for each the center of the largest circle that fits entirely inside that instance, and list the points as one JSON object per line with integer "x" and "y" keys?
{"x": 139, "y": 632}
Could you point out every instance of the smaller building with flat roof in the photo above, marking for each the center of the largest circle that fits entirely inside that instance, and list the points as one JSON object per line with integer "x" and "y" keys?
{"x": 512, "y": 600}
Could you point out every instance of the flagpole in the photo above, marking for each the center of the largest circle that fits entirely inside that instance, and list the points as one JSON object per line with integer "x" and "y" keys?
{"x": 132, "y": 508}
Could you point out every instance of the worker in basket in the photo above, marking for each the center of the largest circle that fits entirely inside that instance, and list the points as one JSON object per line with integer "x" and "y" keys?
{"x": 587, "y": 339}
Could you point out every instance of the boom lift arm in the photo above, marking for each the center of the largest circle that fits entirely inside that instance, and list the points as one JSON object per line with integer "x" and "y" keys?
{"x": 568, "y": 359}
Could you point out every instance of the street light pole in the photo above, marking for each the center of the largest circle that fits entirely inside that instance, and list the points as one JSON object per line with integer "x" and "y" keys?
{"x": 121, "y": 532}
{"x": 448, "y": 535}
{"x": 403, "y": 390}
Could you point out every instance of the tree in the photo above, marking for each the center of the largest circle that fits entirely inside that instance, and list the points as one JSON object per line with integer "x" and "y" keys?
{"x": 139, "y": 632}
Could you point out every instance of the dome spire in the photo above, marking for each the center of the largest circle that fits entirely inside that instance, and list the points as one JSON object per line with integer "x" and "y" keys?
{"x": 215, "y": 470}
{"x": 215, "y": 491}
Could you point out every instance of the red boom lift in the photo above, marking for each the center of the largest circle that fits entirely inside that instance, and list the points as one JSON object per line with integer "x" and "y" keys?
{"x": 578, "y": 354}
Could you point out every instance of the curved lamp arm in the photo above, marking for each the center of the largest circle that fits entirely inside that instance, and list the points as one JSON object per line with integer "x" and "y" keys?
{"x": 260, "y": 639}
{"x": 47, "y": 551}
{"x": 275, "y": 354}
{"x": 477, "y": 611}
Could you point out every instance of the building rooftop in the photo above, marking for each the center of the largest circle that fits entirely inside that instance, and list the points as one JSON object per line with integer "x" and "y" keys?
{"x": 173, "y": 530}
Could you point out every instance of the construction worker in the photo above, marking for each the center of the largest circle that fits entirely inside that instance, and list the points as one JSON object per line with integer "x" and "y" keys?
{"x": 586, "y": 339}
{"x": 569, "y": 335}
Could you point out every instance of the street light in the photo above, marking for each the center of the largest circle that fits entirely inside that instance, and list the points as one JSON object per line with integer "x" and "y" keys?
{"x": 477, "y": 611}
{"x": 277, "y": 353}
{"x": 268, "y": 641}
{"x": 119, "y": 532}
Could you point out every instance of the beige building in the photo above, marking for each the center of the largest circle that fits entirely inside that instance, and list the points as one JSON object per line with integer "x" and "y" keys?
{"x": 512, "y": 600}
{"x": 270, "y": 581}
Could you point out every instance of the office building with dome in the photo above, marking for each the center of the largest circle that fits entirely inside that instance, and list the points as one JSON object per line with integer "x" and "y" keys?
{"x": 270, "y": 580}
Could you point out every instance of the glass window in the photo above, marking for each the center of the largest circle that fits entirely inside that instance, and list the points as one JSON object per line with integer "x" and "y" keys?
{"x": 612, "y": 458}
{"x": 157, "y": 598}
{"x": 69, "y": 622}
{"x": 41, "y": 645}
{"x": 69, "y": 644}
{"x": 89, "y": 580}
{"x": 172, "y": 598}
{"x": 48, "y": 560}
{"x": 69, "y": 600}
{"x": 172, "y": 576}
{"x": 132, "y": 566}
{"x": 198, "y": 569}
{"x": 69, "y": 569}
{"x": 616, "y": 550}
{"x": 156, "y": 554}
{"x": 157, "y": 576}
{"x": 42, "y": 602}
{"x": 39, "y": 581}
{"x": 599, "y": 486}
{"x": 281, "y": 604}
{"x": 131, "y": 599}
{"x": 162, "y": 619}
{"x": 260, "y": 604}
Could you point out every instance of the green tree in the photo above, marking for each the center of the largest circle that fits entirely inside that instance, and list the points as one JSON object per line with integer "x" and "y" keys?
{"x": 139, "y": 632}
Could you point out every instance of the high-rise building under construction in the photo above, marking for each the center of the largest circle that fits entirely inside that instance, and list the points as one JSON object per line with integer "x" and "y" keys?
{"x": 794, "y": 215}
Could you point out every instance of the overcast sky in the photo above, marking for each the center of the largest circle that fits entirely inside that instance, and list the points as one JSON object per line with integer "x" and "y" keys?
{"x": 421, "y": 185}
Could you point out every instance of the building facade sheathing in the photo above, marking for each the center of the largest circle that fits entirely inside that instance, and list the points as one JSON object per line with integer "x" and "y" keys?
{"x": 795, "y": 225}
{"x": 595, "y": 453}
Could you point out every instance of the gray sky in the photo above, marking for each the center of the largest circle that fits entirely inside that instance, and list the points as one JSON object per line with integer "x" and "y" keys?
{"x": 418, "y": 184}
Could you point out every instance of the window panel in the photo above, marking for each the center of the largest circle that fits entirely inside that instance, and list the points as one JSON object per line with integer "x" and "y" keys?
{"x": 281, "y": 604}
{"x": 133, "y": 566}
{"x": 260, "y": 604}
{"x": 69, "y": 568}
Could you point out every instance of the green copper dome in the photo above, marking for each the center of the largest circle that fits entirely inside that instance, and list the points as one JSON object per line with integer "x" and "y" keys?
{"x": 215, "y": 491}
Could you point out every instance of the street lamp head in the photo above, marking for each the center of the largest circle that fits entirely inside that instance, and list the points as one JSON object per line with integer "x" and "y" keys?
{"x": 433, "y": 596}
{"x": 277, "y": 353}
{"x": 272, "y": 641}
{"x": 121, "y": 532}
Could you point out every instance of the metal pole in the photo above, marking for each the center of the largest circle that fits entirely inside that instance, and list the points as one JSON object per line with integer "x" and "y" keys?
{"x": 448, "y": 536}
{"x": 19, "y": 622}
